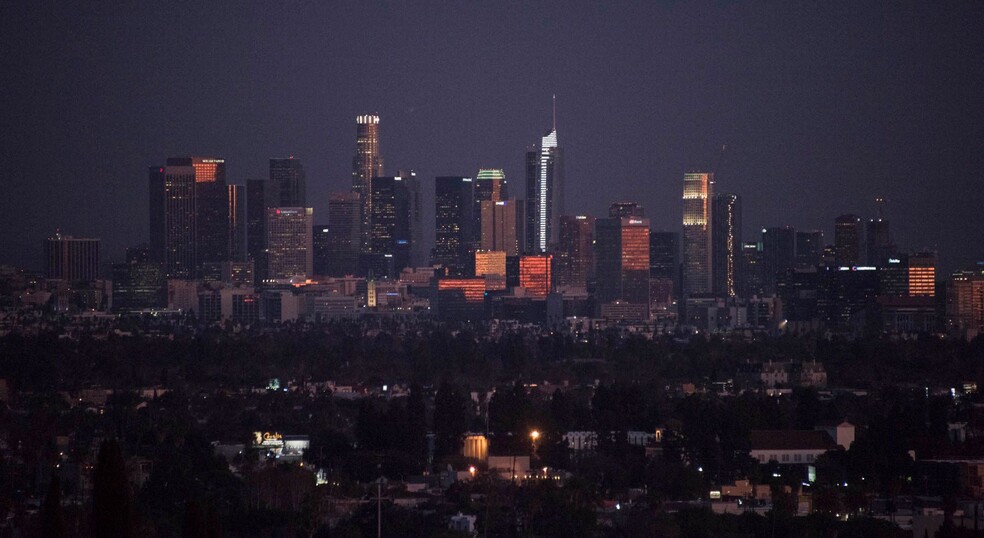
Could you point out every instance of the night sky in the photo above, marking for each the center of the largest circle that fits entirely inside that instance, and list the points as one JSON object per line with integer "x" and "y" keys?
{"x": 823, "y": 107}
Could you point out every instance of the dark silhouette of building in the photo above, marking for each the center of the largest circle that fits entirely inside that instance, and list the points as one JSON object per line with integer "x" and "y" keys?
{"x": 779, "y": 254}
{"x": 751, "y": 281}
{"x": 259, "y": 197}
{"x": 575, "y": 253}
{"x": 664, "y": 267}
{"x": 809, "y": 248}
{"x": 847, "y": 240}
{"x": 392, "y": 224}
{"x": 173, "y": 219}
{"x": 288, "y": 179}
{"x": 344, "y": 233}
{"x": 626, "y": 209}
{"x": 878, "y": 242}
{"x": 74, "y": 259}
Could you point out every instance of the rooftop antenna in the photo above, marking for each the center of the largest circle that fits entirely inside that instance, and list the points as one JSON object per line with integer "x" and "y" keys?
{"x": 555, "y": 112}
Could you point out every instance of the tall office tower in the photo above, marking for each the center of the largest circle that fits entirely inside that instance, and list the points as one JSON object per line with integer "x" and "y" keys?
{"x": 212, "y": 229}
{"x": 626, "y": 209}
{"x": 366, "y": 164}
{"x": 847, "y": 240}
{"x": 321, "y": 245}
{"x": 453, "y": 220}
{"x": 545, "y": 191}
{"x": 725, "y": 243}
{"x": 878, "y": 242}
{"x": 502, "y": 226}
{"x": 290, "y": 252}
{"x": 664, "y": 265}
{"x": 288, "y": 179}
{"x": 575, "y": 252}
{"x": 752, "y": 275}
{"x": 809, "y": 248}
{"x": 415, "y": 208}
{"x": 535, "y": 274}
{"x": 173, "y": 220}
{"x": 259, "y": 197}
{"x": 71, "y": 258}
{"x": 622, "y": 260}
{"x": 490, "y": 186}
{"x": 391, "y": 224}
{"x": 779, "y": 254}
{"x": 698, "y": 190}
{"x": 344, "y": 233}
{"x": 237, "y": 222}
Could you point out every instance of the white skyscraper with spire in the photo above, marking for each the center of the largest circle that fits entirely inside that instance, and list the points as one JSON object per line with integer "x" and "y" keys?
{"x": 544, "y": 191}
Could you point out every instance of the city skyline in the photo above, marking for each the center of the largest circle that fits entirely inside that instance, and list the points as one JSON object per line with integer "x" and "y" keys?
{"x": 818, "y": 121}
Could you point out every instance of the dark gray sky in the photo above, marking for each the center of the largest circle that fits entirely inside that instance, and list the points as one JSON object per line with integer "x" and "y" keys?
{"x": 823, "y": 106}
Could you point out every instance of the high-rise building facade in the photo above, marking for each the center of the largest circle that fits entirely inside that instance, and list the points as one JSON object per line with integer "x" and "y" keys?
{"x": 71, "y": 258}
{"x": 909, "y": 275}
{"x": 698, "y": 190}
{"x": 290, "y": 252}
{"x": 626, "y": 209}
{"x": 453, "y": 220}
{"x": 809, "y": 248}
{"x": 752, "y": 275}
{"x": 392, "y": 224}
{"x": 259, "y": 197}
{"x": 501, "y": 226}
{"x": 173, "y": 219}
{"x": 575, "y": 252}
{"x": 622, "y": 260}
{"x": 344, "y": 234}
{"x": 664, "y": 267}
{"x": 544, "y": 192}
{"x": 779, "y": 254}
{"x": 490, "y": 262}
{"x": 289, "y": 181}
{"x": 490, "y": 186}
{"x": 366, "y": 164}
{"x": 878, "y": 242}
{"x": 847, "y": 240}
{"x": 725, "y": 243}
{"x": 237, "y": 222}
{"x": 535, "y": 274}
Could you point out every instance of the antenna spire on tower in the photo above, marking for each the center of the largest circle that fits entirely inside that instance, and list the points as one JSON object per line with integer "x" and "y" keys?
{"x": 555, "y": 112}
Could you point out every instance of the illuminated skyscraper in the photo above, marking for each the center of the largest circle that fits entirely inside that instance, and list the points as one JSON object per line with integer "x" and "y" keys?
{"x": 212, "y": 236}
{"x": 490, "y": 262}
{"x": 366, "y": 164}
{"x": 698, "y": 189}
{"x": 575, "y": 252}
{"x": 290, "y": 252}
{"x": 453, "y": 220}
{"x": 909, "y": 275}
{"x": 288, "y": 179}
{"x": 71, "y": 258}
{"x": 391, "y": 225}
{"x": 847, "y": 240}
{"x": 726, "y": 243}
{"x": 751, "y": 281}
{"x": 490, "y": 185}
{"x": 544, "y": 191}
{"x": 621, "y": 251}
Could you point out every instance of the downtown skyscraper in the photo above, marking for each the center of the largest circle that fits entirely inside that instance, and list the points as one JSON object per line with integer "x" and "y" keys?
{"x": 726, "y": 243}
{"x": 544, "y": 191}
{"x": 698, "y": 191}
{"x": 366, "y": 164}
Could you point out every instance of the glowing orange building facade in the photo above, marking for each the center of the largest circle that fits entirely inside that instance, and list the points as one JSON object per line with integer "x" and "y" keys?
{"x": 535, "y": 274}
